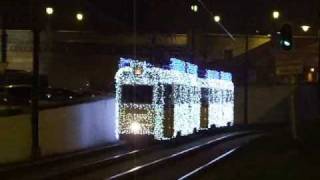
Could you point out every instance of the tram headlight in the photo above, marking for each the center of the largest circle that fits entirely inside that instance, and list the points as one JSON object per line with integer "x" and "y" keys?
{"x": 138, "y": 70}
{"x": 135, "y": 128}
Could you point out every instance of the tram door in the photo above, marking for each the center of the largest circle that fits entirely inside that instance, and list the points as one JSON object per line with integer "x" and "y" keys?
{"x": 204, "y": 121}
{"x": 168, "y": 112}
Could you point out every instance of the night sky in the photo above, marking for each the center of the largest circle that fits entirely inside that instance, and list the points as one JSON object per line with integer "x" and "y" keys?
{"x": 172, "y": 16}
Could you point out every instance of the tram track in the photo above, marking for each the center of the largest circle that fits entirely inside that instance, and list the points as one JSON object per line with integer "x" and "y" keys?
{"x": 114, "y": 162}
{"x": 152, "y": 159}
{"x": 168, "y": 165}
{"x": 118, "y": 162}
{"x": 65, "y": 163}
{"x": 53, "y": 159}
{"x": 201, "y": 169}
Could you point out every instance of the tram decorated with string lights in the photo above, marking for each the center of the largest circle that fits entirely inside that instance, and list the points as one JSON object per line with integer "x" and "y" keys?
{"x": 172, "y": 101}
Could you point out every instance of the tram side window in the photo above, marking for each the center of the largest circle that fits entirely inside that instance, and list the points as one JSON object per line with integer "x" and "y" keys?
{"x": 204, "y": 95}
{"x": 230, "y": 96}
{"x": 217, "y": 96}
{"x": 137, "y": 94}
{"x": 168, "y": 96}
{"x": 159, "y": 96}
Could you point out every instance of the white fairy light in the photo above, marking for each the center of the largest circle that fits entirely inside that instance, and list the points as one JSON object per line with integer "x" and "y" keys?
{"x": 135, "y": 128}
{"x": 186, "y": 92}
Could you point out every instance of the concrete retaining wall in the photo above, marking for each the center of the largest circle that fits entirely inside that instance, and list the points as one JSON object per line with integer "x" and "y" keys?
{"x": 61, "y": 130}
{"x": 271, "y": 105}
{"x": 77, "y": 127}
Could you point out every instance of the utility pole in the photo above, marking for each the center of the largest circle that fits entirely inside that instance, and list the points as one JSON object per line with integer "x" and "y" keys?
{"x": 293, "y": 107}
{"x": 192, "y": 44}
{"x": 35, "y": 78}
{"x": 246, "y": 81}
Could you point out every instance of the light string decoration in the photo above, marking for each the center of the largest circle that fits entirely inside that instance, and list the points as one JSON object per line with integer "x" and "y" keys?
{"x": 182, "y": 77}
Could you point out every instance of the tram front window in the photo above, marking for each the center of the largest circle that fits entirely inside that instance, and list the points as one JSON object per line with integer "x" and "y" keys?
{"x": 137, "y": 94}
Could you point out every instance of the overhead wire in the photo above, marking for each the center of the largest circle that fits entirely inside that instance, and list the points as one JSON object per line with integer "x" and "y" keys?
{"x": 212, "y": 17}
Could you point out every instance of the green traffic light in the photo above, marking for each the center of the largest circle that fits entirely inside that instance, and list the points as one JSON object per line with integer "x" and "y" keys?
{"x": 286, "y": 37}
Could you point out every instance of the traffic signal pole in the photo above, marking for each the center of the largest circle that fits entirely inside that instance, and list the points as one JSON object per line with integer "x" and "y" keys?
{"x": 292, "y": 107}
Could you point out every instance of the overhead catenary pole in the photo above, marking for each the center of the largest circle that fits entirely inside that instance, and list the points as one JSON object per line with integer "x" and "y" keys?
{"x": 192, "y": 43}
{"x": 35, "y": 78}
{"x": 318, "y": 35}
{"x": 134, "y": 19}
{"x": 246, "y": 81}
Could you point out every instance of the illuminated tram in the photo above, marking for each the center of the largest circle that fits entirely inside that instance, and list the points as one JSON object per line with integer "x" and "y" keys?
{"x": 170, "y": 102}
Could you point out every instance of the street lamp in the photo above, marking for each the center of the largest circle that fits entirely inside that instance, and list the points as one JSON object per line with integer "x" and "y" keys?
{"x": 194, "y": 8}
{"x": 79, "y": 16}
{"x": 312, "y": 69}
{"x": 216, "y": 18}
{"x": 305, "y": 28}
{"x": 275, "y": 14}
{"x": 275, "y": 32}
{"x": 49, "y": 10}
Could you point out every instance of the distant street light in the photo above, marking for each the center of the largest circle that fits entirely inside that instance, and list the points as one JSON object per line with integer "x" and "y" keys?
{"x": 49, "y": 10}
{"x": 194, "y": 8}
{"x": 312, "y": 69}
{"x": 286, "y": 43}
{"x": 216, "y": 19}
{"x": 275, "y": 14}
{"x": 305, "y": 28}
{"x": 79, "y": 16}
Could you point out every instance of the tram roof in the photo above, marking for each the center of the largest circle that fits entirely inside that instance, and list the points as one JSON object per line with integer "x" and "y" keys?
{"x": 180, "y": 66}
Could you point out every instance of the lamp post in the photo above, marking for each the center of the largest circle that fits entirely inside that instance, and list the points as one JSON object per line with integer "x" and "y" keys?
{"x": 79, "y": 18}
{"x": 275, "y": 17}
{"x": 49, "y": 12}
{"x": 194, "y": 8}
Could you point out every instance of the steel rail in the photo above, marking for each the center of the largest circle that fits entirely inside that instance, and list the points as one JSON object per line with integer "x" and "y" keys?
{"x": 156, "y": 163}
{"x": 209, "y": 164}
